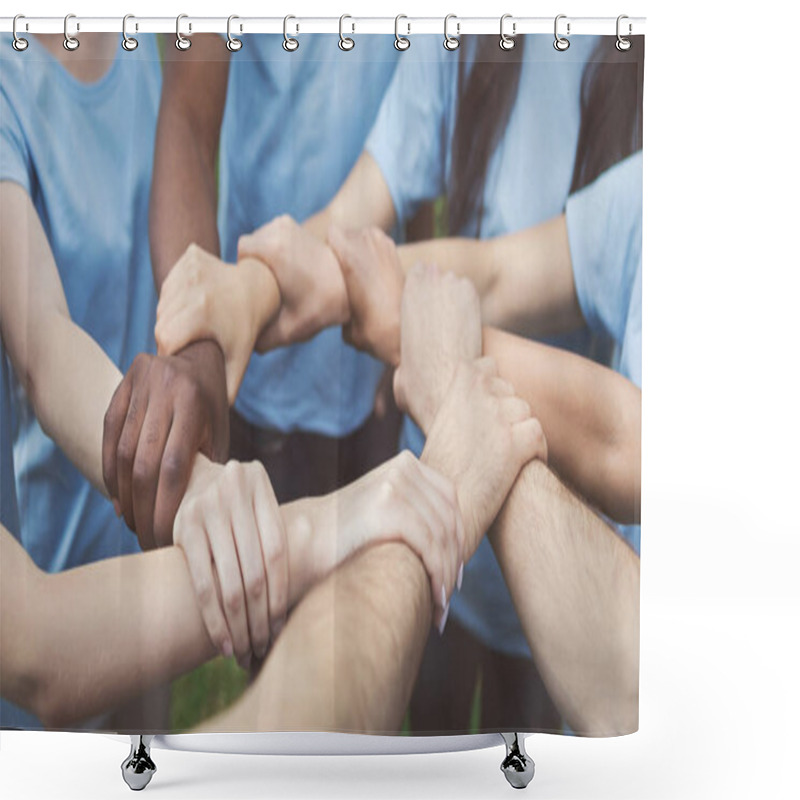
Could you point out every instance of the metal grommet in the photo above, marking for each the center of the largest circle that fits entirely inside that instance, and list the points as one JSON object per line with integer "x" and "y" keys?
{"x": 451, "y": 42}
{"x": 401, "y": 42}
{"x": 128, "y": 42}
{"x": 561, "y": 43}
{"x": 345, "y": 42}
{"x": 181, "y": 42}
{"x": 233, "y": 44}
{"x": 290, "y": 44}
{"x": 70, "y": 42}
{"x": 507, "y": 42}
{"x": 622, "y": 44}
{"x": 19, "y": 44}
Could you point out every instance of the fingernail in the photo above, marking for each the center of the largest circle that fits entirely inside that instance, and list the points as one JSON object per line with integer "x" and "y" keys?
{"x": 460, "y": 578}
{"x": 444, "y": 597}
{"x": 443, "y": 620}
{"x": 227, "y": 648}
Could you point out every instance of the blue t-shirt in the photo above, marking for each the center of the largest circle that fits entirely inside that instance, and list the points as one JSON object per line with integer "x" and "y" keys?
{"x": 11, "y": 716}
{"x": 294, "y": 126}
{"x": 83, "y": 152}
{"x": 604, "y": 227}
{"x": 527, "y": 182}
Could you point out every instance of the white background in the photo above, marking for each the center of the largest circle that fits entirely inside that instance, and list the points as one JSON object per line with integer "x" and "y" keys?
{"x": 720, "y": 598}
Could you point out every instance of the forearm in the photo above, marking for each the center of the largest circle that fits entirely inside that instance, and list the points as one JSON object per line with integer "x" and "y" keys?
{"x": 70, "y": 386}
{"x": 591, "y": 416}
{"x": 524, "y": 279}
{"x": 85, "y": 640}
{"x": 348, "y": 657}
{"x": 362, "y": 201}
{"x": 575, "y": 586}
{"x": 183, "y": 197}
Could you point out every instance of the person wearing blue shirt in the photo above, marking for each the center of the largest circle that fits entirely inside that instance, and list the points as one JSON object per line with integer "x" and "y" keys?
{"x": 290, "y": 126}
{"x": 506, "y": 139}
{"x": 65, "y": 118}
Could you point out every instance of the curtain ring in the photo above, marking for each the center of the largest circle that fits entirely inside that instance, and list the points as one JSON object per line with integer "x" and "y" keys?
{"x": 290, "y": 44}
{"x": 233, "y": 44}
{"x": 401, "y": 42}
{"x": 128, "y": 42}
{"x": 19, "y": 44}
{"x": 622, "y": 44}
{"x": 451, "y": 42}
{"x": 507, "y": 42}
{"x": 345, "y": 42}
{"x": 70, "y": 42}
{"x": 561, "y": 43}
{"x": 181, "y": 42}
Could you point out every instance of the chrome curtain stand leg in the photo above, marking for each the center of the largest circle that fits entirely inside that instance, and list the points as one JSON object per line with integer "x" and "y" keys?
{"x": 138, "y": 768}
{"x": 517, "y": 766}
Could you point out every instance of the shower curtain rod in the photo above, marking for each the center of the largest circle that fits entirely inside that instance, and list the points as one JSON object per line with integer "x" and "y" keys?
{"x": 406, "y": 26}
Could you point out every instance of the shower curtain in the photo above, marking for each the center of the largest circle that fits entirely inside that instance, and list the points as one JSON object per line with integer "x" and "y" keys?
{"x": 321, "y": 383}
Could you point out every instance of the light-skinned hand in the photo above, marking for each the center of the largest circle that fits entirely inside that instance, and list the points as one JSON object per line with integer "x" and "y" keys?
{"x": 481, "y": 437}
{"x": 230, "y": 528}
{"x": 312, "y": 290}
{"x": 440, "y": 328}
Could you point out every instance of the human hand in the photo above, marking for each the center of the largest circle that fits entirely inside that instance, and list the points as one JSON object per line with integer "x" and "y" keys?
{"x": 205, "y": 298}
{"x": 440, "y": 327}
{"x": 374, "y": 280}
{"x": 481, "y": 438}
{"x": 165, "y": 410}
{"x": 312, "y": 290}
{"x": 230, "y": 528}
{"x": 401, "y": 500}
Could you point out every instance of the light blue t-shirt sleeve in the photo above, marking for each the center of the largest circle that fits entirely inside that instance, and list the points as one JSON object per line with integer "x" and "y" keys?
{"x": 15, "y": 161}
{"x": 410, "y": 138}
{"x": 604, "y": 227}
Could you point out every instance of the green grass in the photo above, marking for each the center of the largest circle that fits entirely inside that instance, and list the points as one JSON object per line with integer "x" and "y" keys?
{"x": 205, "y": 691}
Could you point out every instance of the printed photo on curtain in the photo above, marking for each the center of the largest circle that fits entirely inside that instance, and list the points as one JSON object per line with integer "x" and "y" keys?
{"x": 321, "y": 384}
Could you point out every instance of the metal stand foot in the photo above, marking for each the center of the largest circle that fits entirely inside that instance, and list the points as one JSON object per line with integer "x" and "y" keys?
{"x": 138, "y": 768}
{"x": 517, "y": 766}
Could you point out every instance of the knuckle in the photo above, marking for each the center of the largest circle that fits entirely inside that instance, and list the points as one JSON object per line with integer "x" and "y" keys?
{"x": 173, "y": 467}
{"x": 275, "y": 554}
{"x": 256, "y": 585}
{"x": 205, "y": 591}
{"x": 233, "y": 599}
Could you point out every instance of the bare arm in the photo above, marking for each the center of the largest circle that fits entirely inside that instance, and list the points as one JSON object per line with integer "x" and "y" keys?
{"x": 592, "y": 417}
{"x": 349, "y": 655}
{"x": 76, "y": 643}
{"x": 53, "y": 358}
{"x": 79, "y": 642}
{"x": 362, "y": 201}
{"x": 183, "y": 198}
{"x": 575, "y": 585}
{"x": 524, "y": 279}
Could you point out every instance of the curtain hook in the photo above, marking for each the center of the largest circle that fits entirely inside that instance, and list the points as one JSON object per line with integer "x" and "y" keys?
{"x": 401, "y": 42}
{"x": 70, "y": 42}
{"x": 561, "y": 43}
{"x": 345, "y": 42}
{"x": 128, "y": 42}
{"x": 233, "y": 44}
{"x": 19, "y": 44}
{"x": 290, "y": 44}
{"x": 507, "y": 42}
{"x": 622, "y": 44}
{"x": 451, "y": 42}
{"x": 181, "y": 42}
